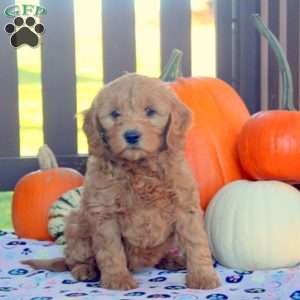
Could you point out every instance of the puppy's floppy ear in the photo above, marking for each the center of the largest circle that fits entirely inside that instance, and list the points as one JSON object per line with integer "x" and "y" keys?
{"x": 90, "y": 128}
{"x": 179, "y": 122}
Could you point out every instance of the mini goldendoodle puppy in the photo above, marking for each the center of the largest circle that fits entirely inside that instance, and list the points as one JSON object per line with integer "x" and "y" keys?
{"x": 140, "y": 199}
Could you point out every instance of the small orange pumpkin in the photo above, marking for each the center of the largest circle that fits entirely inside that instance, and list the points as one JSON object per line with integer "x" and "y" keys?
{"x": 269, "y": 143}
{"x": 37, "y": 191}
{"x": 218, "y": 116}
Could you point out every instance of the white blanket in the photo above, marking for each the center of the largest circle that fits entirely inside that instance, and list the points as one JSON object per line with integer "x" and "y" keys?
{"x": 19, "y": 282}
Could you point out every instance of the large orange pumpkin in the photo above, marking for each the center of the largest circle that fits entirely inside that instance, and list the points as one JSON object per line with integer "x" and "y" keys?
{"x": 218, "y": 116}
{"x": 269, "y": 144}
{"x": 36, "y": 192}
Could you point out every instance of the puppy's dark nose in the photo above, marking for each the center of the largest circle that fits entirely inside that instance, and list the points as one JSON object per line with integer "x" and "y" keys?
{"x": 132, "y": 137}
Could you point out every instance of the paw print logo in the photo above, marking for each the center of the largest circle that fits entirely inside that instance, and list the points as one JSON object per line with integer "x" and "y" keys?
{"x": 24, "y": 32}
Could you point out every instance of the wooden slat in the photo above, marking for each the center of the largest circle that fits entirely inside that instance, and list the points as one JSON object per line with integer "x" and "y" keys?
{"x": 175, "y": 20}
{"x": 249, "y": 58}
{"x": 224, "y": 40}
{"x": 273, "y": 74}
{"x": 9, "y": 115}
{"x": 58, "y": 76}
{"x": 118, "y": 38}
{"x": 235, "y": 44}
{"x": 293, "y": 44}
{"x": 16, "y": 167}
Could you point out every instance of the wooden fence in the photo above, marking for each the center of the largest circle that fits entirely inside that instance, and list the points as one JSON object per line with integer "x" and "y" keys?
{"x": 283, "y": 18}
{"x": 242, "y": 61}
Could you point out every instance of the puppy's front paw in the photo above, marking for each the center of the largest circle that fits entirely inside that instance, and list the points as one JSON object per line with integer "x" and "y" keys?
{"x": 203, "y": 279}
{"x": 82, "y": 272}
{"x": 118, "y": 282}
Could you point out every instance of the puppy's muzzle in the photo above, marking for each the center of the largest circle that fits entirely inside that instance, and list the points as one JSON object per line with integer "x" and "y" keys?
{"x": 132, "y": 137}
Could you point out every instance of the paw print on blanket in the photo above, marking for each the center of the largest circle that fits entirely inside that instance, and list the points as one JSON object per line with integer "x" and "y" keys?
{"x": 154, "y": 296}
{"x": 24, "y": 32}
{"x": 295, "y": 295}
{"x": 255, "y": 290}
{"x": 16, "y": 243}
{"x": 15, "y": 272}
{"x": 234, "y": 278}
{"x": 135, "y": 294}
{"x": 76, "y": 295}
{"x": 26, "y": 251}
{"x": 158, "y": 279}
{"x": 42, "y": 298}
{"x": 175, "y": 287}
{"x": 217, "y": 297}
{"x": 7, "y": 289}
{"x": 243, "y": 272}
{"x": 2, "y": 233}
{"x": 69, "y": 281}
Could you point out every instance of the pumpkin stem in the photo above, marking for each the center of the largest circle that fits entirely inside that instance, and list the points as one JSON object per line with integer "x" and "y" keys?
{"x": 286, "y": 75}
{"x": 172, "y": 70}
{"x": 46, "y": 158}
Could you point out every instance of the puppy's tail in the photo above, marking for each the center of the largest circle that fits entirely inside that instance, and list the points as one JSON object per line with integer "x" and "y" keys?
{"x": 54, "y": 265}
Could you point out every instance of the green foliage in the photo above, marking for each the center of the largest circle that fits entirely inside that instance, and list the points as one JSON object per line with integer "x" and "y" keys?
{"x": 5, "y": 210}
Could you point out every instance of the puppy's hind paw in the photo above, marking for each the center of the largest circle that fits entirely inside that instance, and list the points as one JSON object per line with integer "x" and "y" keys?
{"x": 83, "y": 272}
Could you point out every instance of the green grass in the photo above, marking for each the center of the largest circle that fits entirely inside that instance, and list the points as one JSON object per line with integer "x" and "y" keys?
{"x": 31, "y": 115}
{"x": 5, "y": 210}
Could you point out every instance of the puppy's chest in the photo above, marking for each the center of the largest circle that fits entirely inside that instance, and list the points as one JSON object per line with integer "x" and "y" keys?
{"x": 147, "y": 209}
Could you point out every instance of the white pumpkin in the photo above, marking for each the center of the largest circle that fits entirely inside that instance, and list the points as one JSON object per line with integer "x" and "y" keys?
{"x": 254, "y": 225}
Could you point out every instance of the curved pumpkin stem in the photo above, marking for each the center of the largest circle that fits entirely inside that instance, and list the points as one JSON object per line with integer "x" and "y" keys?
{"x": 172, "y": 70}
{"x": 286, "y": 75}
{"x": 46, "y": 158}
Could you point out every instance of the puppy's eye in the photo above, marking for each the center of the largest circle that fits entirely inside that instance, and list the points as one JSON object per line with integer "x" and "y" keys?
{"x": 115, "y": 114}
{"x": 150, "y": 112}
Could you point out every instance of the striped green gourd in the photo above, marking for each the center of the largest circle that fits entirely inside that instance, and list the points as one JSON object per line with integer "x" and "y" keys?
{"x": 61, "y": 209}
